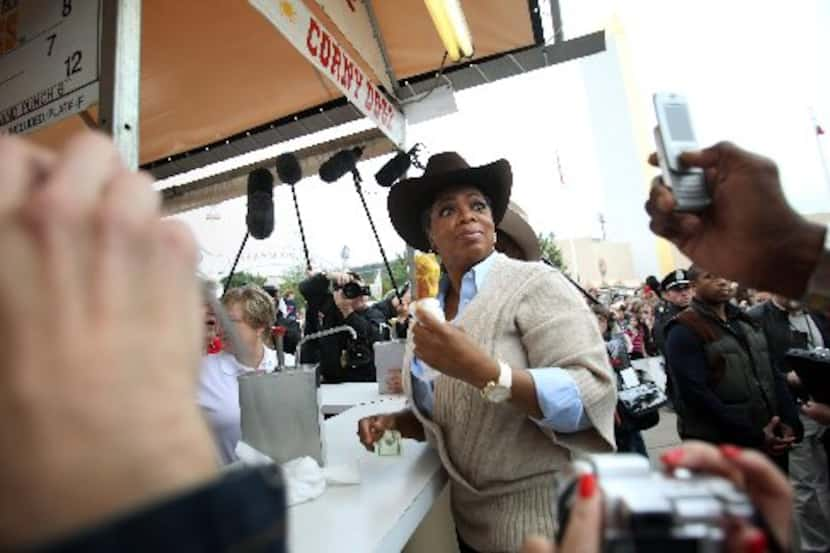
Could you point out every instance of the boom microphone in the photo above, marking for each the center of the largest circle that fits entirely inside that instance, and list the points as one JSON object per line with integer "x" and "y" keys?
{"x": 260, "y": 217}
{"x": 393, "y": 169}
{"x": 288, "y": 169}
{"x": 340, "y": 163}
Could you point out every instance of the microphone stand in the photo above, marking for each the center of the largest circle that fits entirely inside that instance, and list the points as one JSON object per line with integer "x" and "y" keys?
{"x": 302, "y": 232}
{"x": 357, "y": 184}
{"x": 235, "y": 262}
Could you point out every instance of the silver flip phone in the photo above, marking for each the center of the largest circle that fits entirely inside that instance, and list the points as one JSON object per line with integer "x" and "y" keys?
{"x": 674, "y": 135}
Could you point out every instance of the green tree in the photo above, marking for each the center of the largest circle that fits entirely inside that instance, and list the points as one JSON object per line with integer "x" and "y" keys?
{"x": 290, "y": 282}
{"x": 400, "y": 270}
{"x": 551, "y": 251}
{"x": 242, "y": 278}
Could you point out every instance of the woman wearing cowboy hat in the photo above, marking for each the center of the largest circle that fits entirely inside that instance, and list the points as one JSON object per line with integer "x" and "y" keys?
{"x": 525, "y": 379}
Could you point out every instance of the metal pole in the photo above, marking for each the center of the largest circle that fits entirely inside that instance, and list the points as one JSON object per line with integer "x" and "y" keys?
{"x": 384, "y": 53}
{"x": 556, "y": 16}
{"x": 121, "y": 75}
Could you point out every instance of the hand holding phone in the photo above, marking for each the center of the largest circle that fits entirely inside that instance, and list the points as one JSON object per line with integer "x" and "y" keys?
{"x": 674, "y": 135}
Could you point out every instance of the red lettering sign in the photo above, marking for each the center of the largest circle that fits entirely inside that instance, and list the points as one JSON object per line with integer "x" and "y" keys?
{"x": 358, "y": 79}
{"x": 325, "y": 50}
{"x": 346, "y": 76}
{"x": 313, "y": 30}
{"x": 335, "y": 61}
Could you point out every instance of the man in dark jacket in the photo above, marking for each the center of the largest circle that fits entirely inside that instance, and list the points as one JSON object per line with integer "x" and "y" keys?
{"x": 727, "y": 389}
{"x": 676, "y": 295}
{"x": 341, "y": 358}
{"x": 786, "y": 325}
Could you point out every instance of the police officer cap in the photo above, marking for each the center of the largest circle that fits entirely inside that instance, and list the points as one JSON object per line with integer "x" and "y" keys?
{"x": 680, "y": 277}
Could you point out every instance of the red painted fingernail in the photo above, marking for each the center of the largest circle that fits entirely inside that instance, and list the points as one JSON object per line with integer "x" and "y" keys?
{"x": 587, "y": 485}
{"x": 672, "y": 457}
{"x": 730, "y": 451}
{"x": 757, "y": 543}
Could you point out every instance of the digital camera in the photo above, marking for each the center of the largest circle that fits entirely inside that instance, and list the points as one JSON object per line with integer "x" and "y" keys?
{"x": 354, "y": 290}
{"x": 649, "y": 511}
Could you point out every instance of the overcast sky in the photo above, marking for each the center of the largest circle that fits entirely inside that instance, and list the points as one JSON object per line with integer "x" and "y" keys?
{"x": 755, "y": 72}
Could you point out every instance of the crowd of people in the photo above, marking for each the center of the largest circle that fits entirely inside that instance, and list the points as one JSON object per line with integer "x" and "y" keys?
{"x": 526, "y": 366}
{"x": 728, "y": 376}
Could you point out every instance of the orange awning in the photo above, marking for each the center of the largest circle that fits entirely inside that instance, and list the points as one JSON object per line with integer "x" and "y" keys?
{"x": 213, "y": 69}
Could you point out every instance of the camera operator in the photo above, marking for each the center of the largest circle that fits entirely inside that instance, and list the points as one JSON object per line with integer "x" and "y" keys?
{"x": 337, "y": 299}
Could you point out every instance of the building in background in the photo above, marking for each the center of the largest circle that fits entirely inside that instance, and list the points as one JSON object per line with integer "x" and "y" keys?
{"x": 622, "y": 140}
{"x": 597, "y": 263}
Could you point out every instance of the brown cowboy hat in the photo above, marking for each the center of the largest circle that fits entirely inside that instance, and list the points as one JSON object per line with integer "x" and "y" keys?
{"x": 409, "y": 198}
{"x": 516, "y": 226}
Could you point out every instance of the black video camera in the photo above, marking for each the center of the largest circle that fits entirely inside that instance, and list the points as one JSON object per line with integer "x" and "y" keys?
{"x": 813, "y": 369}
{"x": 354, "y": 290}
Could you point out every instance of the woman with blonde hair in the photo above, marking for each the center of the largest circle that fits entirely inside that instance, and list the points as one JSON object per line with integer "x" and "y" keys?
{"x": 251, "y": 311}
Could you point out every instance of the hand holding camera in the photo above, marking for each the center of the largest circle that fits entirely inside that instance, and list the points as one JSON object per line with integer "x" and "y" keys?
{"x": 710, "y": 498}
{"x": 347, "y": 289}
{"x": 350, "y": 285}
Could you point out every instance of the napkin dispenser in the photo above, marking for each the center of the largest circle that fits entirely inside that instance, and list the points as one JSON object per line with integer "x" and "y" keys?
{"x": 281, "y": 413}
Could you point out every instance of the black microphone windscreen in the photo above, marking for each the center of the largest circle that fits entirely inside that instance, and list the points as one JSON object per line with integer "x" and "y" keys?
{"x": 339, "y": 164}
{"x": 288, "y": 169}
{"x": 260, "y": 216}
{"x": 261, "y": 180}
{"x": 393, "y": 169}
{"x": 653, "y": 283}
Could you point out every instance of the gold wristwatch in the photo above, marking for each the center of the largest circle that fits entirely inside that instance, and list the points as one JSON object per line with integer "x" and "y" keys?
{"x": 499, "y": 391}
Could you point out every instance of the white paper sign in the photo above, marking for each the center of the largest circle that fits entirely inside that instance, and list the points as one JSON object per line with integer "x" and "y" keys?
{"x": 48, "y": 61}
{"x": 630, "y": 378}
{"x": 352, "y": 18}
{"x": 308, "y": 35}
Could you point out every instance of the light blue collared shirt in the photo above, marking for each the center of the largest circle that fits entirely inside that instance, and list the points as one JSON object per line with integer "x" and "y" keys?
{"x": 556, "y": 391}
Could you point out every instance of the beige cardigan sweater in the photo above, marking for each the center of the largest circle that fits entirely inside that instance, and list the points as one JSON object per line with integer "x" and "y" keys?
{"x": 502, "y": 465}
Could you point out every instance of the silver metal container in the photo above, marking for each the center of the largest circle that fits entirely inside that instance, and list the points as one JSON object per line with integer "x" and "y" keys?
{"x": 281, "y": 413}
